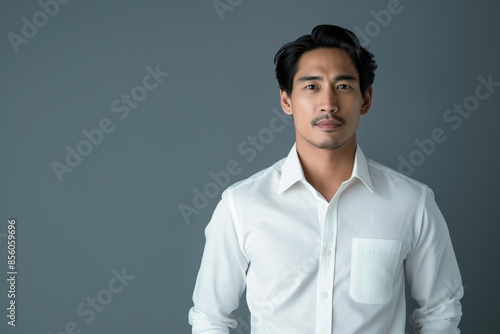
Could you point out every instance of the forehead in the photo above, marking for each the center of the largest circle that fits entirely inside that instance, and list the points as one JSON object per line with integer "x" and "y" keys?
{"x": 326, "y": 61}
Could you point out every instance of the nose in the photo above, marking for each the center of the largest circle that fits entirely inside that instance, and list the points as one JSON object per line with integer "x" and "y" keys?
{"x": 329, "y": 102}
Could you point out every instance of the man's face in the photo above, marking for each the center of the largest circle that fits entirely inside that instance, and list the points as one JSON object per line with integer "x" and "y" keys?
{"x": 326, "y": 99}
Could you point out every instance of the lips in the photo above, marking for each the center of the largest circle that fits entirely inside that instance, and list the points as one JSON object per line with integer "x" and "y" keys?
{"x": 328, "y": 124}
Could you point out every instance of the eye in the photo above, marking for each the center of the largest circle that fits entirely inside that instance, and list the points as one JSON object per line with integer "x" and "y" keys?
{"x": 343, "y": 87}
{"x": 311, "y": 87}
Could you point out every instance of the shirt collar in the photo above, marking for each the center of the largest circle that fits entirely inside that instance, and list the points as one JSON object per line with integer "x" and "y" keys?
{"x": 291, "y": 170}
{"x": 360, "y": 169}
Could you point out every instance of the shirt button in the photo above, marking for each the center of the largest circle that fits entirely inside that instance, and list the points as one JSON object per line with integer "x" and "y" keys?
{"x": 324, "y": 295}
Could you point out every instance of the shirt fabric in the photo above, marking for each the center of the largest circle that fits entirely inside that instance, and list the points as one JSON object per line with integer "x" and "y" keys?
{"x": 313, "y": 266}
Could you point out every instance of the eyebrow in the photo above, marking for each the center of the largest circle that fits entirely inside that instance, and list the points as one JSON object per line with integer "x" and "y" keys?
{"x": 342, "y": 77}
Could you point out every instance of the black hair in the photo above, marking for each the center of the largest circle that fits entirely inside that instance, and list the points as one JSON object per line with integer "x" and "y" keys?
{"x": 324, "y": 36}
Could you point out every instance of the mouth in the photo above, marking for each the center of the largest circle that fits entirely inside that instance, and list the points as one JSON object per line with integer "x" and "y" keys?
{"x": 329, "y": 124}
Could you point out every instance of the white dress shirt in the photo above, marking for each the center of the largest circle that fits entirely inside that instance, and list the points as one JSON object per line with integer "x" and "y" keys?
{"x": 312, "y": 266}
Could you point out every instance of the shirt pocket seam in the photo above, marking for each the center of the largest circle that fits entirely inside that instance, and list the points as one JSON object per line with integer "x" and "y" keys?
{"x": 373, "y": 269}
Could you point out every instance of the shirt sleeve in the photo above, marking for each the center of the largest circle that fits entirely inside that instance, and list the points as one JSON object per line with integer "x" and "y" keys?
{"x": 221, "y": 278}
{"x": 433, "y": 274}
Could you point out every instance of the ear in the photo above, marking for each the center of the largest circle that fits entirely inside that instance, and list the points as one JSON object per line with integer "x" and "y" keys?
{"x": 367, "y": 101}
{"x": 286, "y": 102}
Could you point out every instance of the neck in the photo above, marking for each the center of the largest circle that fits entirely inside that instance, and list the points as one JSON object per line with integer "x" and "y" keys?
{"x": 326, "y": 169}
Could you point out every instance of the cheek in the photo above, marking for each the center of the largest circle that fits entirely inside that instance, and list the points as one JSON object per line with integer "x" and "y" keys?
{"x": 304, "y": 104}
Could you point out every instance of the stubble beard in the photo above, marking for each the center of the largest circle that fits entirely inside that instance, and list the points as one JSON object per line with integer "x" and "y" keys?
{"x": 329, "y": 144}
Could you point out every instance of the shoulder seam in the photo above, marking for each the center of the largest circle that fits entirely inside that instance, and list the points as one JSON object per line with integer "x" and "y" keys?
{"x": 254, "y": 177}
{"x": 386, "y": 169}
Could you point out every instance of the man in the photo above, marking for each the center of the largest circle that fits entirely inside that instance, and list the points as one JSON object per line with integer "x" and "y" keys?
{"x": 324, "y": 239}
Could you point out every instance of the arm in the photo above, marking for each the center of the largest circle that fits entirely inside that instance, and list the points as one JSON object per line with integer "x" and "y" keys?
{"x": 221, "y": 278}
{"x": 433, "y": 275}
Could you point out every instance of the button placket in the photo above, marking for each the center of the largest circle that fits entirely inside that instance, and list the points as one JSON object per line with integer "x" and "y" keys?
{"x": 327, "y": 263}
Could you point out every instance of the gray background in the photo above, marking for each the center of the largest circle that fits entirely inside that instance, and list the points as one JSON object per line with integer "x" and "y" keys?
{"x": 120, "y": 207}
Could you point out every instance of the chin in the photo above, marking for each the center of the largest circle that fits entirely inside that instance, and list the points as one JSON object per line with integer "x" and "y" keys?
{"x": 329, "y": 145}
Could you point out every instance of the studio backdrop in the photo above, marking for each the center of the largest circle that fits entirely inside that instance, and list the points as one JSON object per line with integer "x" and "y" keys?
{"x": 122, "y": 122}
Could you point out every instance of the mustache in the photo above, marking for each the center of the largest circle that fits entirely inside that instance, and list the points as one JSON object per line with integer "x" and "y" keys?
{"x": 327, "y": 116}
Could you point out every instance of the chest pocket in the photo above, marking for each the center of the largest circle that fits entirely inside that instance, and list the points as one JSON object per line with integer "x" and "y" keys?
{"x": 373, "y": 268}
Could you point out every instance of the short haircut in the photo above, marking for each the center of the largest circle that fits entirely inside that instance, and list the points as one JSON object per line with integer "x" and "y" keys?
{"x": 324, "y": 36}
